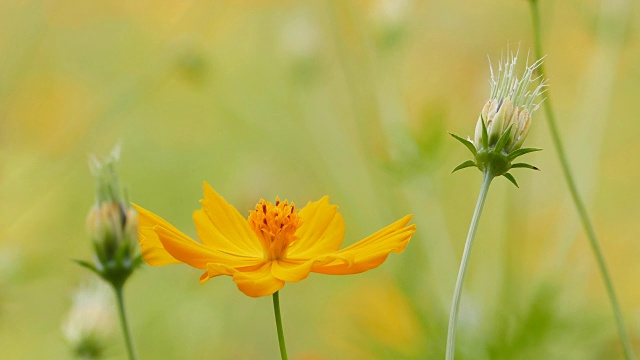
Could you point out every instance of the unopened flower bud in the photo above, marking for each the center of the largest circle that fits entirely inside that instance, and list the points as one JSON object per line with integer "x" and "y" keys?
{"x": 499, "y": 120}
{"x": 505, "y": 119}
{"x": 131, "y": 223}
{"x": 112, "y": 224}
{"x": 521, "y": 129}
{"x": 89, "y": 325}
{"x": 484, "y": 114}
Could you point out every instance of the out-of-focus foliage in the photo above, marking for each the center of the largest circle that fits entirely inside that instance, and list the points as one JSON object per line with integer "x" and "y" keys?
{"x": 300, "y": 99}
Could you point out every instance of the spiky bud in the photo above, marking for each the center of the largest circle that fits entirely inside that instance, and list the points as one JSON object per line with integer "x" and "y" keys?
{"x": 505, "y": 119}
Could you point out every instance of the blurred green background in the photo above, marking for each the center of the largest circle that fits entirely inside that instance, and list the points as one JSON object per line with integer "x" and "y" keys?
{"x": 300, "y": 99}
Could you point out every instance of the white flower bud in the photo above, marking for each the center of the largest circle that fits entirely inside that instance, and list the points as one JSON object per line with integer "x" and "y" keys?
{"x": 500, "y": 120}
{"x": 521, "y": 129}
{"x": 510, "y": 103}
{"x": 483, "y": 115}
{"x": 90, "y": 322}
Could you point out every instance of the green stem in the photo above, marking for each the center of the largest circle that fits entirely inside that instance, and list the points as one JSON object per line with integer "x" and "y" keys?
{"x": 276, "y": 309}
{"x": 123, "y": 322}
{"x": 455, "y": 303}
{"x": 575, "y": 195}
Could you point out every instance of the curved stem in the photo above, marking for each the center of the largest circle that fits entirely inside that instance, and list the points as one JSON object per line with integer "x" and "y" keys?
{"x": 123, "y": 322}
{"x": 276, "y": 309}
{"x": 575, "y": 195}
{"x": 455, "y": 303}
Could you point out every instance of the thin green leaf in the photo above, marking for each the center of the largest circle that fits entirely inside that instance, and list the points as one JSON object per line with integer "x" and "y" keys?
{"x": 521, "y": 152}
{"x": 466, "y": 143}
{"x": 465, "y": 164}
{"x": 525, "y": 166}
{"x": 512, "y": 179}
{"x": 504, "y": 138}
{"x": 485, "y": 134}
{"x": 87, "y": 265}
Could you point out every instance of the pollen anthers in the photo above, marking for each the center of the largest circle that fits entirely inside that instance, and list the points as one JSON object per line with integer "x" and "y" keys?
{"x": 275, "y": 225}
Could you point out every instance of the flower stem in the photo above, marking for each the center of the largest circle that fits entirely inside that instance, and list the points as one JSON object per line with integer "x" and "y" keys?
{"x": 276, "y": 309}
{"x": 123, "y": 322}
{"x": 575, "y": 195}
{"x": 455, "y": 303}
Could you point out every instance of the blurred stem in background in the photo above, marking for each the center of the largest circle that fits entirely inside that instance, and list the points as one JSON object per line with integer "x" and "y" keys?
{"x": 276, "y": 310}
{"x": 575, "y": 195}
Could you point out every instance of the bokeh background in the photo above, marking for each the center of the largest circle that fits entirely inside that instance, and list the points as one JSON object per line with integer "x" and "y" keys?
{"x": 300, "y": 99}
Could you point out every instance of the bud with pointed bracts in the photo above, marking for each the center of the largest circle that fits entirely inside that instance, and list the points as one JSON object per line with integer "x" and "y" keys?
{"x": 112, "y": 225}
{"x": 505, "y": 119}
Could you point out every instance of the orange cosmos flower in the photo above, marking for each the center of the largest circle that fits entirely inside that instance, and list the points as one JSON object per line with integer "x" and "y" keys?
{"x": 276, "y": 244}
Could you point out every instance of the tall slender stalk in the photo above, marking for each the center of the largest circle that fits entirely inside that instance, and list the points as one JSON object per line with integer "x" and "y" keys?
{"x": 123, "y": 322}
{"x": 455, "y": 303}
{"x": 276, "y": 310}
{"x": 575, "y": 195}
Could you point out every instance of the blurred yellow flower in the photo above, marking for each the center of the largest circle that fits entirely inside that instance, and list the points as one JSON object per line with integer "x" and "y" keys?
{"x": 274, "y": 245}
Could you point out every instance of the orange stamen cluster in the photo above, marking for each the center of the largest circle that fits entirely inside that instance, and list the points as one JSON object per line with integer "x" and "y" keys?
{"x": 275, "y": 226}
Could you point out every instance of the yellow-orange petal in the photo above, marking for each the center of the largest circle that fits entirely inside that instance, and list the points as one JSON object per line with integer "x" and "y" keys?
{"x": 164, "y": 244}
{"x": 195, "y": 254}
{"x": 228, "y": 221}
{"x": 370, "y": 252}
{"x": 214, "y": 270}
{"x": 153, "y": 253}
{"x": 151, "y": 248}
{"x": 205, "y": 277}
{"x": 212, "y": 237}
{"x": 254, "y": 281}
{"x": 296, "y": 270}
{"x": 321, "y": 232}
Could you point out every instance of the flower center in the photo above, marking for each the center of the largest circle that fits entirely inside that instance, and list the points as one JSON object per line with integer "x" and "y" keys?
{"x": 275, "y": 226}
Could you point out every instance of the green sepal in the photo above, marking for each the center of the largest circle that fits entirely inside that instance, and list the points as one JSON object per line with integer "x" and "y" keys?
{"x": 485, "y": 134}
{"x": 466, "y": 143}
{"x": 525, "y": 166}
{"x": 122, "y": 253}
{"x": 520, "y": 152}
{"x": 512, "y": 179}
{"x": 466, "y": 164}
{"x": 503, "y": 138}
{"x": 87, "y": 265}
{"x": 100, "y": 253}
{"x": 137, "y": 262}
